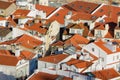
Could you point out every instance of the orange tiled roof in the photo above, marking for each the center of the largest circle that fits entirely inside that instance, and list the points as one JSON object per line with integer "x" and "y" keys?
{"x": 110, "y": 34}
{"x": 46, "y": 9}
{"x": 105, "y": 10}
{"x": 37, "y": 27}
{"x": 77, "y": 39}
{"x": 101, "y": 45}
{"x": 46, "y": 76}
{"x": 21, "y": 12}
{"x": 5, "y": 52}
{"x": 58, "y": 43}
{"x": 4, "y": 5}
{"x": 54, "y": 58}
{"x": 60, "y": 15}
{"x": 2, "y": 18}
{"x": 106, "y": 74}
{"x": 26, "y": 55}
{"x": 81, "y": 6}
{"x": 81, "y": 16}
{"x": 79, "y": 63}
{"x": 25, "y": 40}
{"x": 101, "y": 27}
{"x": 8, "y": 60}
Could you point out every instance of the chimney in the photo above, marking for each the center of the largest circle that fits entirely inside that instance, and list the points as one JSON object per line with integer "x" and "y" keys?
{"x": 17, "y": 52}
{"x": 118, "y": 21}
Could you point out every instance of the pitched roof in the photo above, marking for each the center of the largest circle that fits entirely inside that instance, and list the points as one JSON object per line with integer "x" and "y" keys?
{"x": 20, "y": 13}
{"x": 54, "y": 58}
{"x": 76, "y": 40}
{"x": 58, "y": 43}
{"x": 26, "y": 55}
{"x": 4, "y": 5}
{"x": 81, "y": 16}
{"x": 79, "y": 63}
{"x": 46, "y": 76}
{"x": 36, "y": 27}
{"x": 59, "y": 16}
{"x": 106, "y": 74}
{"x": 25, "y": 40}
{"x": 4, "y": 52}
{"x": 101, "y": 27}
{"x": 81, "y": 6}
{"x": 8, "y": 60}
{"x": 46, "y": 9}
{"x": 101, "y": 45}
{"x": 4, "y": 31}
{"x": 106, "y": 10}
{"x": 110, "y": 34}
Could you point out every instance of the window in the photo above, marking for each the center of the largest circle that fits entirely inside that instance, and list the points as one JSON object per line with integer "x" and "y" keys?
{"x": 72, "y": 31}
{"x": 93, "y": 49}
{"x": 101, "y": 10}
{"x": 102, "y": 59}
{"x": 99, "y": 32}
{"x": 80, "y": 7}
{"x": 117, "y": 56}
{"x": 79, "y": 32}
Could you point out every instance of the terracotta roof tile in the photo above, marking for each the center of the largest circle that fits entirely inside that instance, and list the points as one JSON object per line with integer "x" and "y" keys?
{"x": 81, "y": 16}
{"x": 26, "y": 55}
{"x": 25, "y": 40}
{"x": 46, "y": 76}
{"x": 101, "y": 27}
{"x": 37, "y": 27}
{"x": 8, "y": 60}
{"x": 105, "y": 10}
{"x": 4, "y": 31}
{"x": 110, "y": 34}
{"x": 5, "y": 52}
{"x": 54, "y": 58}
{"x": 60, "y": 15}
{"x": 106, "y": 74}
{"x": 58, "y": 43}
{"x": 4, "y": 5}
{"x": 76, "y": 40}
{"x": 101, "y": 45}
{"x": 81, "y": 6}
{"x": 46, "y": 9}
{"x": 21, "y": 12}
{"x": 79, "y": 63}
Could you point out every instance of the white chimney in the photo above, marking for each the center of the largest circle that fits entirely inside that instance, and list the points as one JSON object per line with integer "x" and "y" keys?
{"x": 17, "y": 52}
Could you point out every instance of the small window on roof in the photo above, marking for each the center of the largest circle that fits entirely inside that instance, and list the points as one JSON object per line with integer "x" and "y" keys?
{"x": 72, "y": 5}
{"x": 118, "y": 13}
{"x": 57, "y": 14}
{"x": 87, "y": 8}
{"x": 80, "y": 7}
{"x": 101, "y": 10}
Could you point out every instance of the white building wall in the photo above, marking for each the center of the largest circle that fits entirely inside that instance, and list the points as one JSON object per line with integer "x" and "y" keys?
{"x": 9, "y": 70}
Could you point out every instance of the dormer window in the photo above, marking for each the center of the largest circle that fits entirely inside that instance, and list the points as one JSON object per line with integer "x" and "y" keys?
{"x": 87, "y": 8}
{"x": 80, "y": 7}
{"x": 101, "y": 10}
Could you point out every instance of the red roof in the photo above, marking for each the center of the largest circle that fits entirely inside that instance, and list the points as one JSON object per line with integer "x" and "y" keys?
{"x": 81, "y": 6}
{"x": 81, "y": 16}
{"x": 106, "y": 74}
{"x": 46, "y": 76}
{"x": 25, "y": 40}
{"x": 21, "y": 12}
{"x": 8, "y": 60}
{"x": 58, "y": 43}
{"x": 76, "y": 40}
{"x": 36, "y": 27}
{"x": 54, "y": 58}
{"x": 46, "y": 9}
{"x": 106, "y": 10}
{"x": 60, "y": 15}
{"x": 5, "y": 52}
{"x": 26, "y": 55}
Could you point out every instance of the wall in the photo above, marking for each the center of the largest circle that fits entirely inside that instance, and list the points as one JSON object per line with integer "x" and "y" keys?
{"x": 10, "y": 9}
